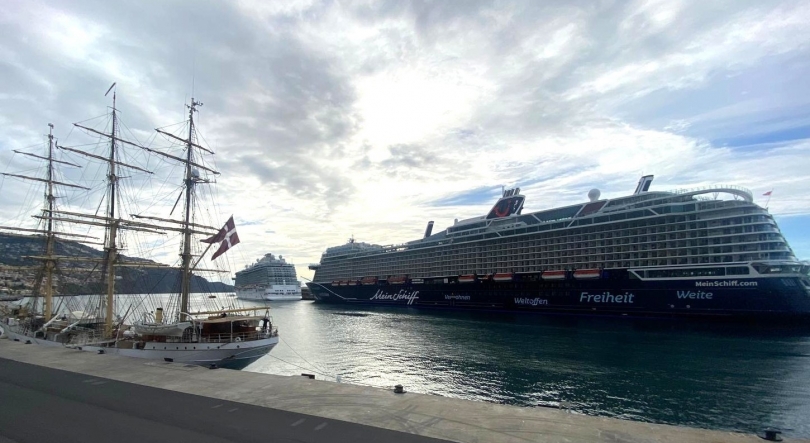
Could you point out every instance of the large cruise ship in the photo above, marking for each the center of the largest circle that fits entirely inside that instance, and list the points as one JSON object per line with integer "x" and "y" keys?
{"x": 700, "y": 252}
{"x": 270, "y": 278}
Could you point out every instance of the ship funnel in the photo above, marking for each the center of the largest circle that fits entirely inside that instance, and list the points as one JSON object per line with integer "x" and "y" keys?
{"x": 644, "y": 184}
{"x": 429, "y": 229}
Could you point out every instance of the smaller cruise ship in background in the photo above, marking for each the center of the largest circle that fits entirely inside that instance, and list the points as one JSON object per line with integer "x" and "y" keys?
{"x": 270, "y": 278}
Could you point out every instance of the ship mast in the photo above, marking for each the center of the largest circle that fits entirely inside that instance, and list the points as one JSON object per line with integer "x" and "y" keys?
{"x": 190, "y": 180}
{"x": 49, "y": 263}
{"x": 111, "y": 249}
{"x": 110, "y": 222}
{"x": 49, "y": 259}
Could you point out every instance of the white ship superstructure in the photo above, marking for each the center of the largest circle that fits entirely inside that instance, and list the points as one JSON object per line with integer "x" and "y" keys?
{"x": 270, "y": 278}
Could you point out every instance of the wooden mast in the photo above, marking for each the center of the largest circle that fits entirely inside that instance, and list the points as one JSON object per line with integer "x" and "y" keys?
{"x": 49, "y": 262}
{"x": 111, "y": 248}
{"x": 185, "y": 287}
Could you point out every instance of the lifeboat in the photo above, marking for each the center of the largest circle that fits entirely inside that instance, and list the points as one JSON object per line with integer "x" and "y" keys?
{"x": 417, "y": 281}
{"x": 161, "y": 329}
{"x": 553, "y": 275}
{"x": 344, "y": 282}
{"x": 396, "y": 280}
{"x": 469, "y": 278}
{"x": 368, "y": 280}
{"x": 335, "y": 282}
{"x": 352, "y": 282}
{"x": 503, "y": 276}
{"x": 584, "y": 274}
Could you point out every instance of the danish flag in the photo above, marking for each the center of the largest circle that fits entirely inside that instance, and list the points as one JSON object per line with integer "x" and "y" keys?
{"x": 227, "y": 236}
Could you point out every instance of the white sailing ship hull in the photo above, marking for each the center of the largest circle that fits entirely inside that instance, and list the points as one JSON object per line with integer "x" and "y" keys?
{"x": 272, "y": 293}
{"x": 233, "y": 355}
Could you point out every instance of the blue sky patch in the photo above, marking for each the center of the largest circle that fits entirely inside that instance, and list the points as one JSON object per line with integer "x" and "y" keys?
{"x": 476, "y": 196}
{"x": 798, "y": 133}
{"x": 796, "y": 232}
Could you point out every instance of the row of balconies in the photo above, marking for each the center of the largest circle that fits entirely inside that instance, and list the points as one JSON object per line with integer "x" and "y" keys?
{"x": 625, "y": 260}
{"x": 671, "y": 249}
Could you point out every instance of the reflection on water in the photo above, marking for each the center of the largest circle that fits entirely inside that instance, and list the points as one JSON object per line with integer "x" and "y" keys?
{"x": 717, "y": 377}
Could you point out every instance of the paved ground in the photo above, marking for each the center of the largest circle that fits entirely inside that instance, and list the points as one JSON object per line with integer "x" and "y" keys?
{"x": 48, "y": 405}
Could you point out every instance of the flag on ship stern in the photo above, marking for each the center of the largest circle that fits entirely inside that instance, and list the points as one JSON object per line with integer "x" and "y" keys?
{"x": 226, "y": 237}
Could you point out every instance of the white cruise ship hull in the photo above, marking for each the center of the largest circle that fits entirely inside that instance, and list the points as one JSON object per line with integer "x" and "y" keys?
{"x": 272, "y": 293}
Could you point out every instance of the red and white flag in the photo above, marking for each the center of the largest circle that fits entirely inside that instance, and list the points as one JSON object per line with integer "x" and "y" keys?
{"x": 227, "y": 236}
{"x": 767, "y": 194}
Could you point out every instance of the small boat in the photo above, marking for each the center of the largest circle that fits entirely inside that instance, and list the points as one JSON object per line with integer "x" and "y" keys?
{"x": 161, "y": 329}
{"x": 369, "y": 281}
{"x": 469, "y": 278}
{"x": 584, "y": 274}
{"x": 503, "y": 276}
{"x": 417, "y": 281}
{"x": 553, "y": 275}
{"x": 396, "y": 280}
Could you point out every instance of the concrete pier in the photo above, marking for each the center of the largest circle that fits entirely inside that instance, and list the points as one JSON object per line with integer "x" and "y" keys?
{"x": 224, "y": 405}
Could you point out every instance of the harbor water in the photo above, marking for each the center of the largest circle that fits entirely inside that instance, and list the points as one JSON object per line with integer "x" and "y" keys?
{"x": 725, "y": 377}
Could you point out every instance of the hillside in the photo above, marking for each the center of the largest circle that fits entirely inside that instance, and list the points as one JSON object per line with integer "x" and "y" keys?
{"x": 130, "y": 280}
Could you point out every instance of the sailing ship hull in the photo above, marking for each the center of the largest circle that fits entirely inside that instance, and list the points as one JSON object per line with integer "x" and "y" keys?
{"x": 783, "y": 297}
{"x": 234, "y": 355}
{"x": 288, "y": 292}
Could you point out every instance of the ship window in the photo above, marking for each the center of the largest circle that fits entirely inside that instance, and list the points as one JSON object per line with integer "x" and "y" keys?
{"x": 685, "y": 272}
{"x": 737, "y": 270}
{"x": 783, "y": 269}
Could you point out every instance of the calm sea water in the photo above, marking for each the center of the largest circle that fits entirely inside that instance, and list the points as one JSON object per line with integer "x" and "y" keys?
{"x": 731, "y": 378}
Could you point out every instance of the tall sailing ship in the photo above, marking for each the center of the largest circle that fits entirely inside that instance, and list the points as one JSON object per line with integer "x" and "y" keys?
{"x": 707, "y": 252}
{"x": 181, "y": 328}
{"x": 270, "y": 278}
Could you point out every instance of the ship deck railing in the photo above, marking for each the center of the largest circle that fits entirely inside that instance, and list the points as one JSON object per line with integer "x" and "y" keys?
{"x": 718, "y": 188}
{"x": 238, "y": 336}
{"x": 83, "y": 336}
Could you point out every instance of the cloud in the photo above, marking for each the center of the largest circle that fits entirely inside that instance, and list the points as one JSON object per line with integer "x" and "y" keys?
{"x": 369, "y": 119}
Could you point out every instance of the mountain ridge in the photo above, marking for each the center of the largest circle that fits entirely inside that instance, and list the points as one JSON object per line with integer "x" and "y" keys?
{"x": 14, "y": 247}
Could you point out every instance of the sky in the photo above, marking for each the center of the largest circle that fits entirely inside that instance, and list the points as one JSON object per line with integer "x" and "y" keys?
{"x": 367, "y": 119}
